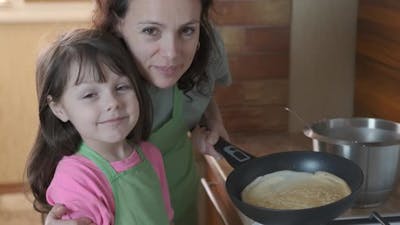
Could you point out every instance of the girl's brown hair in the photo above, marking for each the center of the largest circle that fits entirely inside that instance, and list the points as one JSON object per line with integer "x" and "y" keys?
{"x": 94, "y": 51}
{"x": 107, "y": 13}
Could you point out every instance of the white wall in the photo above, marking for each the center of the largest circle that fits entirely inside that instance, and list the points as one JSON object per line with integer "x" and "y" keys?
{"x": 322, "y": 59}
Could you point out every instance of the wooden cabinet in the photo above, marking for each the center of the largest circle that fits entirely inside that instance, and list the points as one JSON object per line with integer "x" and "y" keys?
{"x": 378, "y": 60}
{"x": 219, "y": 209}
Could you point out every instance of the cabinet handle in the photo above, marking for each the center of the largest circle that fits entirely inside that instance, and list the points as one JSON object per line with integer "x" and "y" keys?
{"x": 213, "y": 200}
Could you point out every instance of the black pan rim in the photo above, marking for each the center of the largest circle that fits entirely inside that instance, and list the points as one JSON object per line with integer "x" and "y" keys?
{"x": 354, "y": 193}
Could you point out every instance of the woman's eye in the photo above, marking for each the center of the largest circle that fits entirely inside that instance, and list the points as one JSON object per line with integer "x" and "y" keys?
{"x": 188, "y": 31}
{"x": 152, "y": 31}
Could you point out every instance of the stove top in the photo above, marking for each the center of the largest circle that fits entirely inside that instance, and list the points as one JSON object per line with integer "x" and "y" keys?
{"x": 389, "y": 211}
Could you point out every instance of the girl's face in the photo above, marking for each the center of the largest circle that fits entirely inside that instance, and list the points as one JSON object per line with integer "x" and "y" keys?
{"x": 102, "y": 113}
{"x": 163, "y": 36}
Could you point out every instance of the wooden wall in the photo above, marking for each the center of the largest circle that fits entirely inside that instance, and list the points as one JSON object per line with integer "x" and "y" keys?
{"x": 19, "y": 46}
{"x": 377, "y": 86}
{"x": 256, "y": 34}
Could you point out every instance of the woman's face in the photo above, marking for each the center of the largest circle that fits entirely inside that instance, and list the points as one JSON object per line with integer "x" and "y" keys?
{"x": 163, "y": 36}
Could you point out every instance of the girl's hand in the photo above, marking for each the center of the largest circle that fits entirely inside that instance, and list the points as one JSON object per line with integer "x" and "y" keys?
{"x": 55, "y": 214}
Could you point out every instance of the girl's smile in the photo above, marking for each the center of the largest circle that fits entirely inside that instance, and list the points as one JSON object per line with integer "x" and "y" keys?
{"x": 115, "y": 120}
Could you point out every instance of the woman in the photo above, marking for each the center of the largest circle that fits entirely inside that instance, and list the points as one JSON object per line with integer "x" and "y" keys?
{"x": 171, "y": 41}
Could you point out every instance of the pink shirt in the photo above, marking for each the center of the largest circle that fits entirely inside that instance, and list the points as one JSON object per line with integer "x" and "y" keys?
{"x": 83, "y": 188}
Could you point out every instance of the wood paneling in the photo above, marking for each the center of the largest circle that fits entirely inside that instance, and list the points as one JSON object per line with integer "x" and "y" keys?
{"x": 254, "y": 93}
{"x": 255, "y": 119}
{"x": 379, "y": 49}
{"x": 256, "y": 34}
{"x": 377, "y": 92}
{"x": 239, "y": 39}
{"x": 254, "y": 106}
{"x": 254, "y": 12}
{"x": 259, "y": 66}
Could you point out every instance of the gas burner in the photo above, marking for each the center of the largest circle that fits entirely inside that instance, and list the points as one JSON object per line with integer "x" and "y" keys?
{"x": 374, "y": 218}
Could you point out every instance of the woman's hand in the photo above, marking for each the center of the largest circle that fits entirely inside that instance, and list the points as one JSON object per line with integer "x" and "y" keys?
{"x": 202, "y": 141}
{"x": 204, "y": 138}
{"x": 55, "y": 214}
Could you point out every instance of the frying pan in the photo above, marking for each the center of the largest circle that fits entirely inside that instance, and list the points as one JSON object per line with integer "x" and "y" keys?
{"x": 247, "y": 168}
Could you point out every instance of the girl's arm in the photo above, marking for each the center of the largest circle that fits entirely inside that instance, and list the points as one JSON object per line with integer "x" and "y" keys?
{"x": 84, "y": 191}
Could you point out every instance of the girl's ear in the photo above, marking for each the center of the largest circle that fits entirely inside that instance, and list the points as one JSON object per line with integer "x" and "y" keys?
{"x": 57, "y": 109}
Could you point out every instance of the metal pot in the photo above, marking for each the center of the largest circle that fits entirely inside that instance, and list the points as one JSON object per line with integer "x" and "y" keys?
{"x": 374, "y": 144}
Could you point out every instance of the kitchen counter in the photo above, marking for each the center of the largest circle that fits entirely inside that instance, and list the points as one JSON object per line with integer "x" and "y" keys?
{"x": 263, "y": 144}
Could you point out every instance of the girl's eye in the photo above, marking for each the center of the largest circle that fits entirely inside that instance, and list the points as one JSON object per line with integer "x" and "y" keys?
{"x": 188, "y": 31}
{"x": 151, "y": 31}
{"x": 123, "y": 87}
{"x": 89, "y": 95}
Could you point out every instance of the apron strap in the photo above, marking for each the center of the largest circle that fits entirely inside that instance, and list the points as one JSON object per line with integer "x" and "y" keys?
{"x": 177, "y": 102}
{"x": 102, "y": 163}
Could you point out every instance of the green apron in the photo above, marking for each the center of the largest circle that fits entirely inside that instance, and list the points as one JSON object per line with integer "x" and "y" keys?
{"x": 137, "y": 191}
{"x": 183, "y": 180}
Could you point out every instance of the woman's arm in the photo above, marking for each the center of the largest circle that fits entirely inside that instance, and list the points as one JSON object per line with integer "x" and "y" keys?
{"x": 56, "y": 213}
{"x": 204, "y": 138}
{"x": 215, "y": 123}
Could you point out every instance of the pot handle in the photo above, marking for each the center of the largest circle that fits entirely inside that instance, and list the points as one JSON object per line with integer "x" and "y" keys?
{"x": 232, "y": 154}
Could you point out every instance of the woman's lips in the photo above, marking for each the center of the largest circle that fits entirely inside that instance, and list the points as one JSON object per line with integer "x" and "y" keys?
{"x": 167, "y": 70}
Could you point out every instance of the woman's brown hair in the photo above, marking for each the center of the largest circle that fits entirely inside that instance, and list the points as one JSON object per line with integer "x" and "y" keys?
{"x": 107, "y": 13}
{"x": 94, "y": 51}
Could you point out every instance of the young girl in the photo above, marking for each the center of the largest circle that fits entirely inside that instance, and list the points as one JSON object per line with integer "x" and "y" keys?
{"x": 89, "y": 154}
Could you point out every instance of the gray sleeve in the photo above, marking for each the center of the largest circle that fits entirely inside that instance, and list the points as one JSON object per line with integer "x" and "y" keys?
{"x": 218, "y": 72}
{"x": 218, "y": 67}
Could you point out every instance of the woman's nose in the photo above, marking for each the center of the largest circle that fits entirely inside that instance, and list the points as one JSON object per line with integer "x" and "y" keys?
{"x": 170, "y": 47}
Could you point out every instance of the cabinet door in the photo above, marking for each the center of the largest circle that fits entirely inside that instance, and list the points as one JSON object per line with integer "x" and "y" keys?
{"x": 219, "y": 210}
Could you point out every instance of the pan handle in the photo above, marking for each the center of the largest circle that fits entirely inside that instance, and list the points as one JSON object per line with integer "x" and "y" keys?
{"x": 232, "y": 154}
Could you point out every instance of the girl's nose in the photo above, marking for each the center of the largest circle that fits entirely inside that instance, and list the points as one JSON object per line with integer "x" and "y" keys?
{"x": 111, "y": 102}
